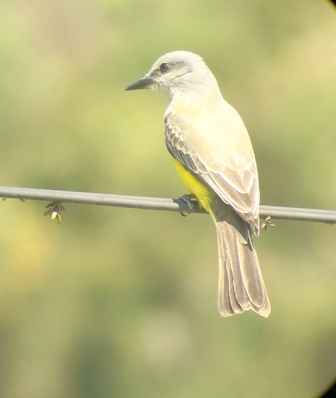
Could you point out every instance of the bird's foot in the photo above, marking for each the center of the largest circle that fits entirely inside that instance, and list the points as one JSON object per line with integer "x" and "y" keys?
{"x": 192, "y": 203}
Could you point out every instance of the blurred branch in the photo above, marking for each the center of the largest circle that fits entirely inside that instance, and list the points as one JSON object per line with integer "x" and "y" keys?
{"x": 149, "y": 203}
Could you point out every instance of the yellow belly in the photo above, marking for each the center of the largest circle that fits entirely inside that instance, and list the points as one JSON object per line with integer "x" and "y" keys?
{"x": 203, "y": 194}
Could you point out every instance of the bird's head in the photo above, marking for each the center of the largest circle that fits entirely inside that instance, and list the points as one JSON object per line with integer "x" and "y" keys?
{"x": 176, "y": 72}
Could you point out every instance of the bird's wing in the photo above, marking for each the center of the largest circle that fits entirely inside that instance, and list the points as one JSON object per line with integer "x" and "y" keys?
{"x": 223, "y": 160}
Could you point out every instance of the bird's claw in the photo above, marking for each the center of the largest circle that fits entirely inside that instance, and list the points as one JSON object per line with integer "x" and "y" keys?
{"x": 191, "y": 202}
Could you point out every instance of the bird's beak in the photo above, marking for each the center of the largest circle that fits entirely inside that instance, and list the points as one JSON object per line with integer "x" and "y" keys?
{"x": 144, "y": 82}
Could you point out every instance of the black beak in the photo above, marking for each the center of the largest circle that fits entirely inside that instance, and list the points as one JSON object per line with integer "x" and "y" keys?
{"x": 144, "y": 82}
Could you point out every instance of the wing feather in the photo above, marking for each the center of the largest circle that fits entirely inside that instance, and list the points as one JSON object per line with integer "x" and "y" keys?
{"x": 220, "y": 167}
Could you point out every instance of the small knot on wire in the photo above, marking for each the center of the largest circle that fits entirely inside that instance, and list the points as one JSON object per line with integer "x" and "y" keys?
{"x": 267, "y": 223}
{"x": 54, "y": 210}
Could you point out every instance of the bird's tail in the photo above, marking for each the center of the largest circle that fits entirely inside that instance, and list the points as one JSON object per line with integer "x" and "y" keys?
{"x": 241, "y": 286}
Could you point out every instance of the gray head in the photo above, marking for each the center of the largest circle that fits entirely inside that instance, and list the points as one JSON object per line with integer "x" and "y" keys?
{"x": 178, "y": 72}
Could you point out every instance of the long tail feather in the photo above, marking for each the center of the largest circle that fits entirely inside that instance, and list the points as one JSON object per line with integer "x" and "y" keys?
{"x": 241, "y": 286}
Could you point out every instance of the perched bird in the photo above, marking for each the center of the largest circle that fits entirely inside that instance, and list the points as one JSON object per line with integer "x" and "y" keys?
{"x": 214, "y": 158}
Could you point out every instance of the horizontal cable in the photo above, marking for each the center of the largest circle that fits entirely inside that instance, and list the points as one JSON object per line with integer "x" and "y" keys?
{"x": 149, "y": 203}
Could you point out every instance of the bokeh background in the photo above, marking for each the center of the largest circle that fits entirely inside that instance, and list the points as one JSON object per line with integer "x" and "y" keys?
{"x": 122, "y": 303}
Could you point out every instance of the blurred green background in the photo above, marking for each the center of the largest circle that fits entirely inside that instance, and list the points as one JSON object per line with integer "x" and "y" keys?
{"x": 122, "y": 303}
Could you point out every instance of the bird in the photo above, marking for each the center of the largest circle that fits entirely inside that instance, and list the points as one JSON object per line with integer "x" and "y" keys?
{"x": 214, "y": 158}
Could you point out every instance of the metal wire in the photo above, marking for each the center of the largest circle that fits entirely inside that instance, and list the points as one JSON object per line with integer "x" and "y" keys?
{"x": 150, "y": 203}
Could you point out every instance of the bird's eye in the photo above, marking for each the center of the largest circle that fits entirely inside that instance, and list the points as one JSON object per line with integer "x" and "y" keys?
{"x": 164, "y": 67}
